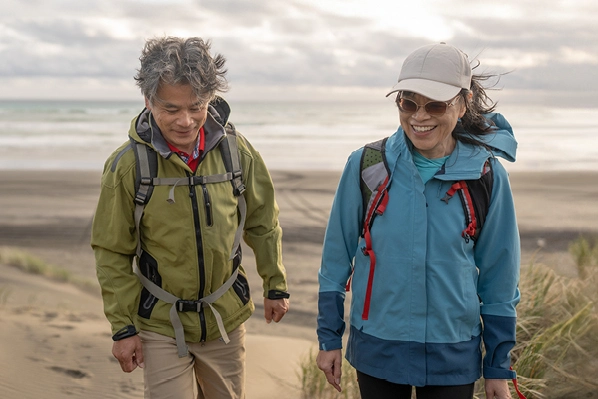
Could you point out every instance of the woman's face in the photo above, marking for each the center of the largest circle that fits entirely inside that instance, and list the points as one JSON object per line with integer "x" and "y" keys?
{"x": 431, "y": 135}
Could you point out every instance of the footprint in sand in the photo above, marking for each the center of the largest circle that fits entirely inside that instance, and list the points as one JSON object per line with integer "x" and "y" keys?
{"x": 62, "y": 326}
{"x": 77, "y": 374}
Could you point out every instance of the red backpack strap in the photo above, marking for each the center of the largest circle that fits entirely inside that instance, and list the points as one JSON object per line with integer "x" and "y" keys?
{"x": 375, "y": 182}
{"x": 379, "y": 206}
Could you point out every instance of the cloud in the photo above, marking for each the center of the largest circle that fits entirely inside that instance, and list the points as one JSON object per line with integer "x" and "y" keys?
{"x": 298, "y": 45}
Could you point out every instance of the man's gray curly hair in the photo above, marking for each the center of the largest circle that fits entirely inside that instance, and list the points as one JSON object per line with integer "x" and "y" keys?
{"x": 174, "y": 60}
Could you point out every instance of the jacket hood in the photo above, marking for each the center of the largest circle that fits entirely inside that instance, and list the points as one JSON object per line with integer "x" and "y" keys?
{"x": 145, "y": 130}
{"x": 467, "y": 161}
{"x": 501, "y": 140}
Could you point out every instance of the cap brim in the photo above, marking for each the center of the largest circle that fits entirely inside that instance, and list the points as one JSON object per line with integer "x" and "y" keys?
{"x": 428, "y": 88}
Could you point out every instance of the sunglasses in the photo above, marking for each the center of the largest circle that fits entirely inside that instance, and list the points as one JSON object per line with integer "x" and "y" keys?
{"x": 434, "y": 108}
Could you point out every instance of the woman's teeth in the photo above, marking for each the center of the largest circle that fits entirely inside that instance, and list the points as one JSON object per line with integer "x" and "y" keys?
{"x": 422, "y": 129}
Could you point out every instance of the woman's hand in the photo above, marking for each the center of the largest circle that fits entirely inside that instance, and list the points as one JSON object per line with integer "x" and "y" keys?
{"x": 497, "y": 389}
{"x": 330, "y": 363}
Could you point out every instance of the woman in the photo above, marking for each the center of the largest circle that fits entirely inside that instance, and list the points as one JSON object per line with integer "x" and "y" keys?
{"x": 416, "y": 319}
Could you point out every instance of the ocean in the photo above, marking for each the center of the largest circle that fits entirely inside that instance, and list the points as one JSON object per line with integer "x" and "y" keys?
{"x": 80, "y": 135}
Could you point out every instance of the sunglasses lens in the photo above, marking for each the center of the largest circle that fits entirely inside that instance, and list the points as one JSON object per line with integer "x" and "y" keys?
{"x": 436, "y": 108}
{"x": 407, "y": 105}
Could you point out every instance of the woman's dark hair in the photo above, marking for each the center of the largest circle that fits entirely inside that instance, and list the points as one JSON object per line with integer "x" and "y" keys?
{"x": 474, "y": 123}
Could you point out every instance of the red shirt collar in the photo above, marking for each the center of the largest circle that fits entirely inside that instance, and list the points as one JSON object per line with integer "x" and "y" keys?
{"x": 192, "y": 159}
{"x": 199, "y": 147}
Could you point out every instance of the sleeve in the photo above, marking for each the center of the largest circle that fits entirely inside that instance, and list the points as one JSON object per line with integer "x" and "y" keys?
{"x": 340, "y": 243}
{"x": 114, "y": 241}
{"x": 497, "y": 255}
{"x": 262, "y": 230}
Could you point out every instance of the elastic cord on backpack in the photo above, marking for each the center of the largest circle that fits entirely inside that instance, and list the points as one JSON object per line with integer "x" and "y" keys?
{"x": 471, "y": 221}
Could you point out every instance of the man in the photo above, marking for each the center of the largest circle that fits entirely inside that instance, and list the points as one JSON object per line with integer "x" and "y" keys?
{"x": 178, "y": 311}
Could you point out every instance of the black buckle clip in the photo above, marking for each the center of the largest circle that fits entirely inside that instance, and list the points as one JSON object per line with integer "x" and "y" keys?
{"x": 188, "y": 306}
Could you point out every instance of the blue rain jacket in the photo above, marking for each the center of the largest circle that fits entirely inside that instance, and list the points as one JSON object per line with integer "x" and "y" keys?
{"x": 436, "y": 297}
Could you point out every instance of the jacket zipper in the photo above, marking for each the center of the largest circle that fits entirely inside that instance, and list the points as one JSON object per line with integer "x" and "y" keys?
{"x": 200, "y": 260}
{"x": 208, "y": 205}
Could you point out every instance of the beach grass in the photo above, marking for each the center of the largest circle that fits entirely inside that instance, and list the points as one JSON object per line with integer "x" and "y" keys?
{"x": 556, "y": 355}
{"x": 34, "y": 265}
{"x": 585, "y": 253}
{"x": 315, "y": 386}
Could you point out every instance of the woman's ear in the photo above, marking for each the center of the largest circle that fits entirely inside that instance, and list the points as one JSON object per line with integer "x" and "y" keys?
{"x": 468, "y": 99}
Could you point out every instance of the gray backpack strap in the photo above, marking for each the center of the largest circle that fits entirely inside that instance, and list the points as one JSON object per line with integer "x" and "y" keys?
{"x": 232, "y": 163}
{"x": 147, "y": 168}
{"x": 179, "y": 305}
{"x": 374, "y": 172}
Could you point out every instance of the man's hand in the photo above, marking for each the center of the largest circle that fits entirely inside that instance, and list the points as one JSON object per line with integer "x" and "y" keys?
{"x": 497, "y": 389}
{"x": 330, "y": 363}
{"x": 275, "y": 309}
{"x": 129, "y": 353}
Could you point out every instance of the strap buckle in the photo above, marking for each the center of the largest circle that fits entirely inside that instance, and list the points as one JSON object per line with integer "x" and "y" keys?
{"x": 238, "y": 185}
{"x": 140, "y": 198}
{"x": 188, "y": 306}
{"x": 238, "y": 191}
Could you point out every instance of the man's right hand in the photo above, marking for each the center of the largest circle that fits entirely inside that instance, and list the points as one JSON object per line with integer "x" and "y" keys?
{"x": 330, "y": 363}
{"x": 129, "y": 353}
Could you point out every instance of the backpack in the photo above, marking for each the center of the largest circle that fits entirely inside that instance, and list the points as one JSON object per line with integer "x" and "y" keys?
{"x": 146, "y": 178}
{"x": 375, "y": 182}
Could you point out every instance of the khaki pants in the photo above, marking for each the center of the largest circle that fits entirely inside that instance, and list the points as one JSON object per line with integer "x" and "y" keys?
{"x": 211, "y": 370}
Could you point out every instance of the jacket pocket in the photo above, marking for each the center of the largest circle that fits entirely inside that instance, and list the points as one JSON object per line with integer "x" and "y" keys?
{"x": 472, "y": 302}
{"x": 241, "y": 288}
{"x": 149, "y": 268}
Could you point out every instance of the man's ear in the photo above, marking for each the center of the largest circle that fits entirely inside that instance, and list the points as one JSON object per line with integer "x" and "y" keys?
{"x": 148, "y": 104}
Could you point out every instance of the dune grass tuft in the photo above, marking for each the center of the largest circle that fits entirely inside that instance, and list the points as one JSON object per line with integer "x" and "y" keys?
{"x": 315, "y": 386}
{"x": 585, "y": 254}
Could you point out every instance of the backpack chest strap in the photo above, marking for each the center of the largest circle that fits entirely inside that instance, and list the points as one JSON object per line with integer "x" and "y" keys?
{"x": 191, "y": 180}
{"x": 179, "y": 305}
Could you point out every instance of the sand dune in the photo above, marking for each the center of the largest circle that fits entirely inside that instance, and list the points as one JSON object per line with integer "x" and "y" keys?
{"x": 56, "y": 342}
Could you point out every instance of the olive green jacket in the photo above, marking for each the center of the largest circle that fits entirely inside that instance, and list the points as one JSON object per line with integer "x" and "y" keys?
{"x": 186, "y": 244}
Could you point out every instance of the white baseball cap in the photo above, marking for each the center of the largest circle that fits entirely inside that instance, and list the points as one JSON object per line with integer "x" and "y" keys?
{"x": 437, "y": 71}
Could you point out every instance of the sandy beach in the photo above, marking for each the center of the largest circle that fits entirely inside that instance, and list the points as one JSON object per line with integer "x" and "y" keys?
{"x": 56, "y": 341}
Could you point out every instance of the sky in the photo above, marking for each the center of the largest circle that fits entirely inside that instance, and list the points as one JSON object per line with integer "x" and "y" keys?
{"x": 288, "y": 50}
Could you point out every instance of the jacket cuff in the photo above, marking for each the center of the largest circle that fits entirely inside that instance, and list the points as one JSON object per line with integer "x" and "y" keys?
{"x": 499, "y": 339}
{"x": 125, "y": 332}
{"x": 491, "y": 373}
{"x": 276, "y": 294}
{"x": 331, "y": 345}
{"x": 331, "y": 324}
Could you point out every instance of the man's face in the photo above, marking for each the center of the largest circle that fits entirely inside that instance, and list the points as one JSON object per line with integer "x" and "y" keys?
{"x": 179, "y": 115}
